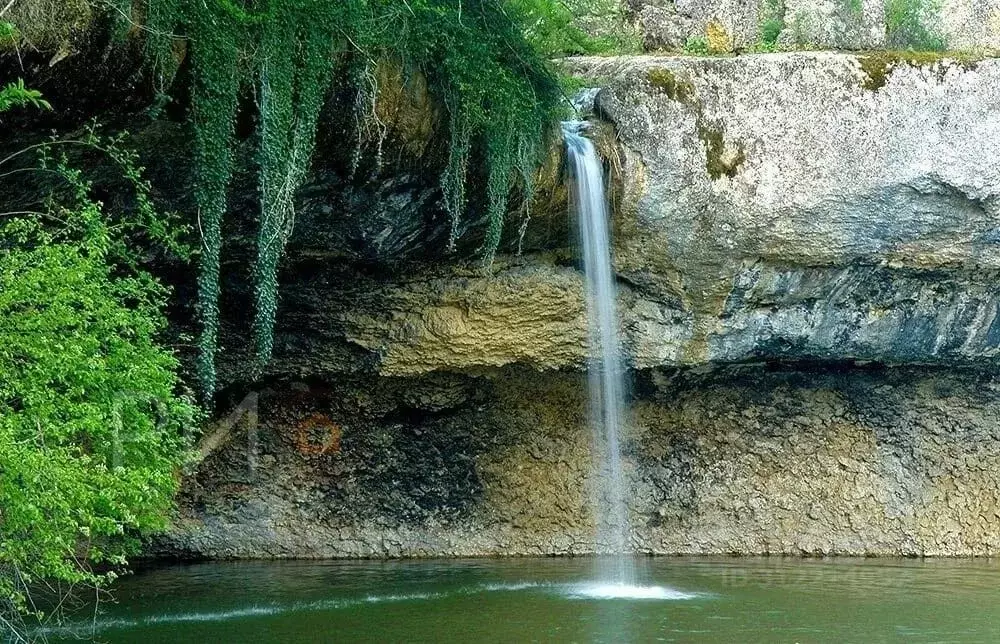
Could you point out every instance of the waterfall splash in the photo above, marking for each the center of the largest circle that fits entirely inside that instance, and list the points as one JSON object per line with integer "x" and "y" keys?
{"x": 607, "y": 382}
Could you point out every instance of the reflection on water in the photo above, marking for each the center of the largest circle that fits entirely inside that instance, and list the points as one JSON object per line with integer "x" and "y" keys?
{"x": 525, "y": 600}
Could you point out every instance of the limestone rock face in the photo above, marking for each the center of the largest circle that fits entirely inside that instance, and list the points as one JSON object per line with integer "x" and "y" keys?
{"x": 667, "y": 24}
{"x": 517, "y": 315}
{"x": 787, "y": 207}
{"x": 835, "y": 24}
{"x": 823, "y": 24}
{"x": 806, "y": 206}
{"x": 971, "y": 24}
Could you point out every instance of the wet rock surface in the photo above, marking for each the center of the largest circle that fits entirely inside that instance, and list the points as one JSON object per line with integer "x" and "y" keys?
{"x": 766, "y": 460}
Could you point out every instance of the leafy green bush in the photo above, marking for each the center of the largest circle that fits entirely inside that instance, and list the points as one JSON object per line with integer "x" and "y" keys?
{"x": 910, "y": 25}
{"x": 769, "y": 31}
{"x": 696, "y": 45}
{"x": 771, "y": 26}
{"x": 92, "y": 425}
{"x": 551, "y": 28}
{"x": 605, "y": 22}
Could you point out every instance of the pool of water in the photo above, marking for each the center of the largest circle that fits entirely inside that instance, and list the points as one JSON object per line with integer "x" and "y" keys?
{"x": 554, "y": 600}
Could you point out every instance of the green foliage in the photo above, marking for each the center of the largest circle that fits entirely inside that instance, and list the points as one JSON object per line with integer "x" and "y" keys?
{"x": 910, "y": 24}
{"x": 769, "y": 31}
{"x": 484, "y": 61}
{"x": 291, "y": 96}
{"x": 92, "y": 429}
{"x": 9, "y": 35}
{"x": 214, "y": 95}
{"x": 550, "y": 28}
{"x": 17, "y": 95}
{"x": 696, "y": 45}
{"x": 559, "y": 28}
{"x": 772, "y": 25}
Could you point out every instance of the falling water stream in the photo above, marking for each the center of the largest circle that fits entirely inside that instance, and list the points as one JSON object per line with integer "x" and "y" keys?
{"x": 606, "y": 373}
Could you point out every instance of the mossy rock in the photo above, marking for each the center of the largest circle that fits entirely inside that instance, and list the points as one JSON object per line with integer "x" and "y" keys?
{"x": 719, "y": 161}
{"x": 664, "y": 80}
{"x": 878, "y": 66}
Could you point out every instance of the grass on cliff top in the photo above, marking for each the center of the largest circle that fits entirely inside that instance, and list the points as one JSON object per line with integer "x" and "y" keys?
{"x": 46, "y": 25}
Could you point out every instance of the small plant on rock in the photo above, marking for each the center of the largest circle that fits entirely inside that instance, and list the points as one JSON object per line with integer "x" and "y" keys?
{"x": 719, "y": 39}
{"x": 909, "y": 24}
{"x": 769, "y": 32}
{"x": 8, "y": 34}
{"x": 16, "y": 95}
{"x": 772, "y": 26}
{"x": 696, "y": 45}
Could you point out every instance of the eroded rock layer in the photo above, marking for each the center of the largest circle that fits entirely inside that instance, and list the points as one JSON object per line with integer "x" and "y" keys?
{"x": 808, "y": 248}
{"x": 791, "y": 461}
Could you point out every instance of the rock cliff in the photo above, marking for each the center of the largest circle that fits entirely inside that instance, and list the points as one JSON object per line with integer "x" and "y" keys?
{"x": 778, "y": 461}
{"x": 807, "y": 248}
{"x": 786, "y": 207}
{"x": 812, "y": 24}
{"x": 808, "y": 205}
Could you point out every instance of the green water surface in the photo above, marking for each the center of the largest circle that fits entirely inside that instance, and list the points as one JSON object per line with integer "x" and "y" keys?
{"x": 547, "y": 600}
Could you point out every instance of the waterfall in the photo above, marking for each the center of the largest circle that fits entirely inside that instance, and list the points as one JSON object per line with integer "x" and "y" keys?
{"x": 606, "y": 372}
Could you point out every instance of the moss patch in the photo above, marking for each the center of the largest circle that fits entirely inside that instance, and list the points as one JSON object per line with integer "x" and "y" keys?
{"x": 664, "y": 80}
{"x": 878, "y": 66}
{"x": 717, "y": 161}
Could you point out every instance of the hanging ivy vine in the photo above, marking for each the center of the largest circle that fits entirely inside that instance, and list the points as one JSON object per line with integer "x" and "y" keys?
{"x": 498, "y": 92}
{"x": 291, "y": 96}
{"x": 214, "y": 97}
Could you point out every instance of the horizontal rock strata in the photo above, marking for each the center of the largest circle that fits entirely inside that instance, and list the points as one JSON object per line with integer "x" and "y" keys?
{"x": 807, "y": 247}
